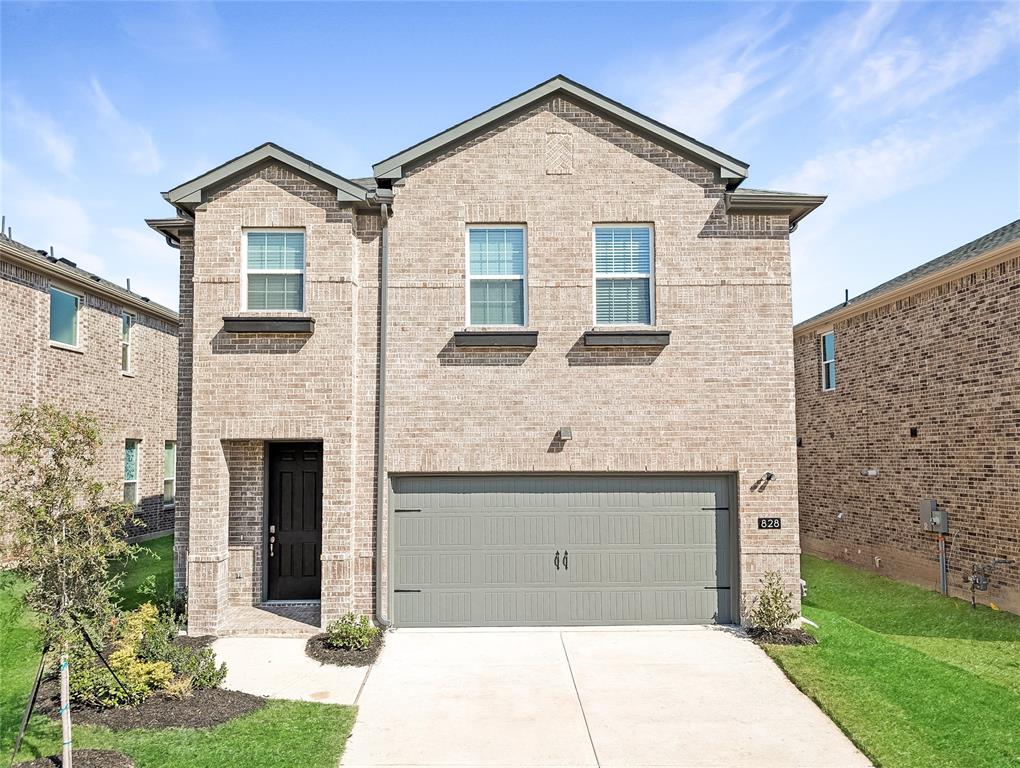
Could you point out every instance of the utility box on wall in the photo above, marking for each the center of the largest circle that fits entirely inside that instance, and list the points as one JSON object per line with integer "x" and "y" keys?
{"x": 933, "y": 519}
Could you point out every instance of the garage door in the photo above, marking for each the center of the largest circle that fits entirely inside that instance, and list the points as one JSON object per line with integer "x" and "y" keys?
{"x": 533, "y": 550}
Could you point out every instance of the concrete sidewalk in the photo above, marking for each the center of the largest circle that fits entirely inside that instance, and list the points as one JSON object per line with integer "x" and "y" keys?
{"x": 278, "y": 667}
{"x": 685, "y": 696}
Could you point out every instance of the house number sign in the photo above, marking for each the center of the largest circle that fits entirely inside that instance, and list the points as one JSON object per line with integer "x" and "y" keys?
{"x": 769, "y": 523}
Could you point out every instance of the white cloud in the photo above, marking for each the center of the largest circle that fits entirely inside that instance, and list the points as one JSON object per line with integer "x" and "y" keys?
{"x": 907, "y": 71}
{"x": 908, "y": 154}
{"x": 130, "y": 142}
{"x": 43, "y": 132}
{"x": 143, "y": 245}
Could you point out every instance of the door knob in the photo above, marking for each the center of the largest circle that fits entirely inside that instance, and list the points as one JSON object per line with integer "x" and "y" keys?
{"x": 272, "y": 539}
{"x": 556, "y": 560}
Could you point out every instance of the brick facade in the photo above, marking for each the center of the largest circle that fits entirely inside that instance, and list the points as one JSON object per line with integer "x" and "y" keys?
{"x": 140, "y": 406}
{"x": 719, "y": 398}
{"x": 944, "y": 362}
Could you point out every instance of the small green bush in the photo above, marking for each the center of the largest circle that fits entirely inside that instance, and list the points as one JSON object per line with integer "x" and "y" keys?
{"x": 772, "y": 610}
{"x": 93, "y": 685}
{"x": 352, "y": 633}
{"x": 146, "y": 659}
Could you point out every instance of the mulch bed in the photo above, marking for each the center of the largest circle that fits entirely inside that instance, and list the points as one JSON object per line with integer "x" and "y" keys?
{"x": 318, "y": 649}
{"x": 202, "y": 709}
{"x": 83, "y": 758}
{"x": 783, "y": 637}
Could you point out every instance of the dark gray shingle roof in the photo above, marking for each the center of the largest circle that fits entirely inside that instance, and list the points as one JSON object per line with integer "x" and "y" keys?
{"x": 995, "y": 239}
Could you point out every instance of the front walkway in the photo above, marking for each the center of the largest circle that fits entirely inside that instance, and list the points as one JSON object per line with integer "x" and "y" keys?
{"x": 686, "y": 696}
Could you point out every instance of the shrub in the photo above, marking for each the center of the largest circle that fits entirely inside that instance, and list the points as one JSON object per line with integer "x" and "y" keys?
{"x": 352, "y": 633}
{"x": 772, "y": 610}
{"x": 146, "y": 659}
{"x": 92, "y": 684}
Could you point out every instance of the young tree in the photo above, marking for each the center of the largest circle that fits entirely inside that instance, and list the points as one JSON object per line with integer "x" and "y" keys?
{"x": 62, "y": 529}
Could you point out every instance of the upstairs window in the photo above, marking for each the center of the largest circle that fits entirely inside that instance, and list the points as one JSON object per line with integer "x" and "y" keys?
{"x": 828, "y": 342}
{"x": 274, "y": 271}
{"x": 64, "y": 308}
{"x": 131, "y": 450}
{"x": 496, "y": 283}
{"x": 624, "y": 288}
{"x": 126, "y": 323}
{"x": 169, "y": 472}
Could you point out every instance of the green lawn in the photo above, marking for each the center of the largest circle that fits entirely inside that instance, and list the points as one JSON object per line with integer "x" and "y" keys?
{"x": 284, "y": 734}
{"x": 916, "y": 679}
{"x": 155, "y": 558}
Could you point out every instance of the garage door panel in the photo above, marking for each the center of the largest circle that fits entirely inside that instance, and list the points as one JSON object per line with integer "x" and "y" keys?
{"x": 482, "y": 550}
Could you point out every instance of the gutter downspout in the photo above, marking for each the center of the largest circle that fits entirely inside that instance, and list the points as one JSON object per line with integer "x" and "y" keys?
{"x": 380, "y": 449}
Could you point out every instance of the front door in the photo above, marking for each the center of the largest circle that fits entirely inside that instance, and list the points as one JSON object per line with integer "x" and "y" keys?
{"x": 294, "y": 537}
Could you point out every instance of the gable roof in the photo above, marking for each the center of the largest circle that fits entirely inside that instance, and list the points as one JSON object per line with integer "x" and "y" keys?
{"x": 192, "y": 192}
{"x": 937, "y": 270}
{"x": 731, "y": 170}
{"x": 69, "y": 272}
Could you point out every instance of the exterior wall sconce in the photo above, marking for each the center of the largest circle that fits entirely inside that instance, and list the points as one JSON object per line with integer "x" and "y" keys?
{"x": 565, "y": 434}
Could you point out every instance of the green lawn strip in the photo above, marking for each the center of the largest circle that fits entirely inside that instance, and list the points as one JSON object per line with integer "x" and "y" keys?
{"x": 155, "y": 558}
{"x": 938, "y": 694}
{"x": 994, "y": 661}
{"x": 894, "y": 608}
{"x": 284, "y": 734}
{"x": 19, "y": 660}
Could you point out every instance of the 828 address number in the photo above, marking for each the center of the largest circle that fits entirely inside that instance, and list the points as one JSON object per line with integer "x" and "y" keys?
{"x": 769, "y": 523}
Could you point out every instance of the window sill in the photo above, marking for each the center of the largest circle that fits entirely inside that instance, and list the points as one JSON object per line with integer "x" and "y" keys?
{"x": 626, "y": 337}
{"x": 269, "y": 324}
{"x": 480, "y": 338}
{"x": 66, "y": 347}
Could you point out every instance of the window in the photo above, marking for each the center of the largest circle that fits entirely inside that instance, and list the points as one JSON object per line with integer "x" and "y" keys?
{"x": 829, "y": 360}
{"x": 274, "y": 267}
{"x": 131, "y": 471}
{"x": 496, "y": 284}
{"x": 127, "y": 321}
{"x": 169, "y": 472}
{"x": 64, "y": 308}
{"x": 624, "y": 291}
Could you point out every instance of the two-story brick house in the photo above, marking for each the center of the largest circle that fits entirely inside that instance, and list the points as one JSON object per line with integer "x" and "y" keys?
{"x": 537, "y": 370}
{"x": 82, "y": 343}
{"x": 910, "y": 394}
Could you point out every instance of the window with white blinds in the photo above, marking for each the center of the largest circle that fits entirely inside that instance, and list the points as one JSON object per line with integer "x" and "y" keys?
{"x": 624, "y": 287}
{"x": 274, "y": 271}
{"x": 496, "y": 282}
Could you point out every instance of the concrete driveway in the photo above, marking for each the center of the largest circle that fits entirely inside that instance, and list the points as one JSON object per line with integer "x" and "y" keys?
{"x": 691, "y": 696}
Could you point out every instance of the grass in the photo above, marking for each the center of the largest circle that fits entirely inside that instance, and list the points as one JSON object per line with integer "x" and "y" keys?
{"x": 284, "y": 734}
{"x": 916, "y": 679}
{"x": 155, "y": 559}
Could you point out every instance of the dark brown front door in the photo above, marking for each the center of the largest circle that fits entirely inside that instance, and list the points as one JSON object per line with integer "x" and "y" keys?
{"x": 295, "y": 521}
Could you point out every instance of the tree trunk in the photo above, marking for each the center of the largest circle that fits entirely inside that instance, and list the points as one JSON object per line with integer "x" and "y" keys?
{"x": 65, "y": 706}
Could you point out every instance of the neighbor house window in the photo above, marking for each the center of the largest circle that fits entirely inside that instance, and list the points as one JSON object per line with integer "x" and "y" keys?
{"x": 64, "y": 308}
{"x": 126, "y": 322}
{"x": 829, "y": 360}
{"x": 274, "y": 271}
{"x": 169, "y": 471}
{"x": 496, "y": 282}
{"x": 131, "y": 449}
{"x": 624, "y": 287}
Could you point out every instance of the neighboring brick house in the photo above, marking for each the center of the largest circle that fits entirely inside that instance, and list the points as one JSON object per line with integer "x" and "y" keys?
{"x": 82, "y": 343}
{"x": 918, "y": 379}
{"x": 587, "y": 372}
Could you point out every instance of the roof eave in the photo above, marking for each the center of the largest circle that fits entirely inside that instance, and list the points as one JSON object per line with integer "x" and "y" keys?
{"x": 730, "y": 169}
{"x": 91, "y": 283}
{"x": 796, "y": 206}
{"x": 193, "y": 192}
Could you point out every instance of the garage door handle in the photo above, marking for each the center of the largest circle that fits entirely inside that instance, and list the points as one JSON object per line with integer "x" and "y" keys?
{"x": 556, "y": 560}
{"x": 565, "y": 567}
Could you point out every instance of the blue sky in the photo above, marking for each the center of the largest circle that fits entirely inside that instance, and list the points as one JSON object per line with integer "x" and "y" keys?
{"x": 906, "y": 115}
